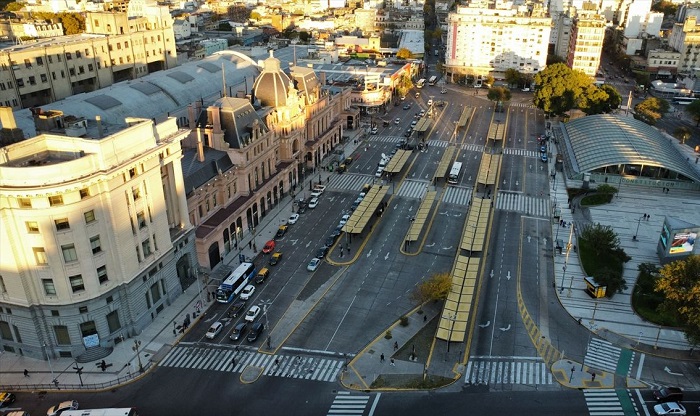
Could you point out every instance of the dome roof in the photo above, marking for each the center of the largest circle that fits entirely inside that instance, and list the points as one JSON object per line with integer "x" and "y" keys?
{"x": 272, "y": 85}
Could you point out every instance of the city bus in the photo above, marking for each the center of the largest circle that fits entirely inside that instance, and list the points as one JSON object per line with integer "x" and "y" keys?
{"x": 683, "y": 100}
{"x": 453, "y": 177}
{"x": 235, "y": 282}
{"x": 432, "y": 80}
{"x": 421, "y": 83}
{"x": 126, "y": 411}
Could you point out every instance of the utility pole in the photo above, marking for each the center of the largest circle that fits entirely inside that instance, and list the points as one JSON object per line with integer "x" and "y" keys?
{"x": 137, "y": 345}
{"x": 79, "y": 372}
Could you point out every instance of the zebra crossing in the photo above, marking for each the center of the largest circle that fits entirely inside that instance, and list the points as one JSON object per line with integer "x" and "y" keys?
{"x": 457, "y": 195}
{"x": 603, "y": 402}
{"x": 518, "y": 370}
{"x": 431, "y": 143}
{"x": 521, "y": 152}
{"x": 280, "y": 365}
{"x": 348, "y": 404}
{"x": 413, "y": 189}
{"x": 350, "y": 181}
{"x": 386, "y": 139}
{"x": 602, "y": 355}
{"x": 523, "y": 105}
{"x": 529, "y": 205}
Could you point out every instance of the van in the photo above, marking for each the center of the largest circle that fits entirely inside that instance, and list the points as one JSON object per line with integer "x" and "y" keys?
{"x": 262, "y": 275}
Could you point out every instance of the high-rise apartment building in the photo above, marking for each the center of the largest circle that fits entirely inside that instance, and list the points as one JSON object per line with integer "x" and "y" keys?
{"x": 96, "y": 238}
{"x": 685, "y": 38}
{"x": 117, "y": 49}
{"x": 586, "y": 43}
{"x": 482, "y": 41}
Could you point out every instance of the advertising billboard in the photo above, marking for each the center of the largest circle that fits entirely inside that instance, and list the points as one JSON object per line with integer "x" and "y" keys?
{"x": 683, "y": 242}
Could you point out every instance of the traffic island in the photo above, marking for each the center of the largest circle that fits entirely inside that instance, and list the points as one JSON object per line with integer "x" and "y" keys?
{"x": 251, "y": 374}
{"x": 578, "y": 376}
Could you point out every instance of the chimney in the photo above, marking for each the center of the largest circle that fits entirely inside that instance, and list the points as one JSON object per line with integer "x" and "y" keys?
{"x": 191, "y": 116}
{"x": 200, "y": 147}
{"x": 215, "y": 119}
{"x": 98, "y": 119}
{"x": 7, "y": 118}
{"x": 323, "y": 78}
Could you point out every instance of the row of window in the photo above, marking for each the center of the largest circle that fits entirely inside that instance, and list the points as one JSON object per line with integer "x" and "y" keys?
{"x": 61, "y": 331}
{"x": 77, "y": 284}
{"x": 54, "y": 200}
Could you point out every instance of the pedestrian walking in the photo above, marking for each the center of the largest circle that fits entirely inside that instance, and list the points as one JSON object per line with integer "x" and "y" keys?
{"x": 26, "y": 372}
{"x": 393, "y": 363}
{"x": 592, "y": 376}
{"x": 425, "y": 318}
{"x": 233, "y": 361}
{"x": 381, "y": 360}
{"x": 648, "y": 216}
{"x": 396, "y": 345}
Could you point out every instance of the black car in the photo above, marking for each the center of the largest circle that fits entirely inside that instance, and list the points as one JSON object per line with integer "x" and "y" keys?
{"x": 321, "y": 252}
{"x": 407, "y": 107}
{"x": 255, "y": 331}
{"x": 236, "y": 308}
{"x": 239, "y": 331}
{"x": 668, "y": 394}
{"x": 330, "y": 240}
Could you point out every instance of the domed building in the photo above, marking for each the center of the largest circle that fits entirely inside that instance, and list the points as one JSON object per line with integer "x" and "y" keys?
{"x": 245, "y": 154}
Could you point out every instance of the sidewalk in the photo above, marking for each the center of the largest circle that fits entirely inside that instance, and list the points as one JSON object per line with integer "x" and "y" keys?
{"x": 160, "y": 336}
{"x": 613, "y": 319}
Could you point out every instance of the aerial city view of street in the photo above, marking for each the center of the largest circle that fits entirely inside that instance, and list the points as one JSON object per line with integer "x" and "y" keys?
{"x": 358, "y": 208}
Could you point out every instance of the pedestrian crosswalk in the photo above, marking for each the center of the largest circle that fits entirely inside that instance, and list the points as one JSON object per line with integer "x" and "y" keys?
{"x": 350, "y": 181}
{"x": 386, "y": 139}
{"x": 529, "y": 205}
{"x": 602, "y": 355}
{"x": 229, "y": 360}
{"x": 521, "y": 152}
{"x": 603, "y": 402}
{"x": 431, "y": 143}
{"x": 518, "y": 370}
{"x": 457, "y": 195}
{"x": 413, "y": 189}
{"x": 522, "y": 105}
{"x": 346, "y": 403}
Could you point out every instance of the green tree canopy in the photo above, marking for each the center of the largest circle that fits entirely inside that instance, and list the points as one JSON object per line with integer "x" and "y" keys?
{"x": 611, "y": 100}
{"x": 651, "y": 110}
{"x": 559, "y": 89}
{"x": 405, "y": 84}
{"x": 680, "y": 285}
{"x": 498, "y": 94}
{"x": 512, "y": 76}
{"x": 404, "y": 53}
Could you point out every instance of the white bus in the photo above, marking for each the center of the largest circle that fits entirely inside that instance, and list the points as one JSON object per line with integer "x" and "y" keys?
{"x": 235, "y": 282}
{"x": 126, "y": 411}
{"x": 421, "y": 83}
{"x": 683, "y": 100}
{"x": 453, "y": 177}
{"x": 432, "y": 80}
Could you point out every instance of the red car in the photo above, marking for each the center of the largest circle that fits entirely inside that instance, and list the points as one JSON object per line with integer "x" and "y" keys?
{"x": 269, "y": 247}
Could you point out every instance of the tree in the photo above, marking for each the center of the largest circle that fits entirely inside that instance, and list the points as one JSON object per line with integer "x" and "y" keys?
{"x": 498, "y": 94}
{"x": 606, "y": 189}
{"x": 512, "y": 76}
{"x": 651, "y": 110}
{"x": 612, "y": 279}
{"x": 694, "y": 110}
{"x": 404, "y": 86}
{"x": 304, "y": 36}
{"x": 404, "y": 53}
{"x": 224, "y": 27}
{"x": 611, "y": 101}
{"x": 14, "y": 6}
{"x": 559, "y": 89}
{"x": 437, "y": 287}
{"x": 680, "y": 285}
{"x": 682, "y": 133}
{"x": 601, "y": 237}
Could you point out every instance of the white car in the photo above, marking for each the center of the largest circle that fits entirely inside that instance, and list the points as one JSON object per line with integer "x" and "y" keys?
{"x": 247, "y": 292}
{"x": 293, "y": 219}
{"x": 430, "y": 102}
{"x": 320, "y": 188}
{"x": 313, "y": 203}
{"x": 62, "y": 407}
{"x": 252, "y": 313}
{"x": 344, "y": 220}
{"x": 313, "y": 264}
{"x": 397, "y": 121}
{"x": 316, "y": 193}
{"x": 374, "y": 130}
{"x": 670, "y": 408}
{"x": 379, "y": 172}
{"x": 214, "y": 330}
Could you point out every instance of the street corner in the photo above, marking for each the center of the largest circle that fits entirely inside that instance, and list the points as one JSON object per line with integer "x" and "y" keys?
{"x": 575, "y": 375}
{"x": 633, "y": 383}
{"x": 251, "y": 374}
{"x": 352, "y": 380}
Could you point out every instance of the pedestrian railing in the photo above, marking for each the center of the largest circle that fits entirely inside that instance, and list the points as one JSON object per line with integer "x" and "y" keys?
{"x": 83, "y": 386}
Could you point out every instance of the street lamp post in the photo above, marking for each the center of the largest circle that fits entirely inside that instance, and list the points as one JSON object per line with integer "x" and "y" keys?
{"x": 137, "y": 345}
{"x": 566, "y": 260}
{"x": 452, "y": 319}
{"x": 48, "y": 357}
{"x": 639, "y": 221}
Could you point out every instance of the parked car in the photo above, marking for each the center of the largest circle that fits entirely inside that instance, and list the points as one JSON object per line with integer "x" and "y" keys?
{"x": 330, "y": 240}
{"x": 214, "y": 330}
{"x": 543, "y": 157}
{"x": 315, "y": 194}
{"x": 262, "y": 275}
{"x": 313, "y": 203}
{"x": 239, "y": 331}
{"x": 670, "y": 408}
{"x": 321, "y": 252}
{"x": 293, "y": 219}
{"x": 62, "y": 407}
{"x": 668, "y": 394}
{"x": 247, "y": 292}
{"x": 344, "y": 219}
{"x": 252, "y": 313}
{"x": 269, "y": 247}
{"x": 6, "y": 399}
{"x": 313, "y": 264}
{"x": 255, "y": 331}
{"x": 275, "y": 258}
